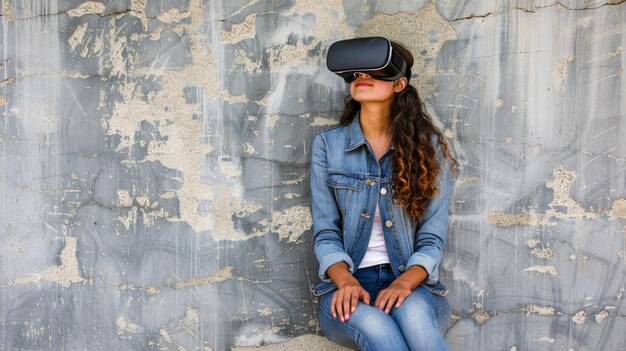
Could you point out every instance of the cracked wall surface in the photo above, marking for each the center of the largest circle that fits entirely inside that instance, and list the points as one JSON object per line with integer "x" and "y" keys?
{"x": 154, "y": 190}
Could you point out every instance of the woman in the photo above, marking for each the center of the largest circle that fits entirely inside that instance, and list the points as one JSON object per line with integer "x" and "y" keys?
{"x": 380, "y": 186}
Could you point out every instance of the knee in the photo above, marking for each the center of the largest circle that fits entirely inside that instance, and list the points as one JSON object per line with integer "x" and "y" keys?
{"x": 376, "y": 330}
{"x": 374, "y": 324}
{"x": 420, "y": 317}
{"x": 420, "y": 310}
{"x": 368, "y": 328}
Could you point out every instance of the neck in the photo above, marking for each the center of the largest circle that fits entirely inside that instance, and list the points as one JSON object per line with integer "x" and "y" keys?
{"x": 374, "y": 119}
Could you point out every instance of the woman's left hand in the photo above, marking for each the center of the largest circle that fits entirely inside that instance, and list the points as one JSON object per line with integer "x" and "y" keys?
{"x": 393, "y": 296}
{"x": 400, "y": 288}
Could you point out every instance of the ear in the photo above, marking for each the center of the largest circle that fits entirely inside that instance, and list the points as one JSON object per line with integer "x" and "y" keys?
{"x": 400, "y": 84}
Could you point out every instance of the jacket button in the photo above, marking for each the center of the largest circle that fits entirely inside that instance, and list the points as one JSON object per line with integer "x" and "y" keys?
{"x": 383, "y": 191}
{"x": 401, "y": 268}
{"x": 388, "y": 224}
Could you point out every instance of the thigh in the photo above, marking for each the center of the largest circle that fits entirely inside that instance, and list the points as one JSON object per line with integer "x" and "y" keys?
{"x": 368, "y": 328}
{"x": 423, "y": 318}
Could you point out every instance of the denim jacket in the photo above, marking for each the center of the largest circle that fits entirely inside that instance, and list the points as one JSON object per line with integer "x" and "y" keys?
{"x": 346, "y": 184}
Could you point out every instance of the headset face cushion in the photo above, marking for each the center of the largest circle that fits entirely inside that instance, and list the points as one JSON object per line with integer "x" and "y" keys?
{"x": 373, "y": 55}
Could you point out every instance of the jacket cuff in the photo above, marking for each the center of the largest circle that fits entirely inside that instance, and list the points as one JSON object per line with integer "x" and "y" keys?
{"x": 331, "y": 259}
{"x": 429, "y": 264}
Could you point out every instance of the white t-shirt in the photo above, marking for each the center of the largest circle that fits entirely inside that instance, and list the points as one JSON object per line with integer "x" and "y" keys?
{"x": 376, "y": 249}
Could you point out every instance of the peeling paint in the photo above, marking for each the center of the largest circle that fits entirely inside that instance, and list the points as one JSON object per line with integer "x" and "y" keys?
{"x": 173, "y": 16}
{"x": 547, "y": 340}
{"x": 249, "y": 149}
{"x": 601, "y": 316}
{"x": 169, "y": 110}
{"x": 293, "y": 181}
{"x": 265, "y": 311}
{"x": 130, "y": 218}
{"x": 543, "y": 269}
{"x": 329, "y": 17}
{"x": 7, "y": 10}
{"x": 480, "y": 317}
{"x": 138, "y": 9}
{"x": 243, "y": 59}
{"x": 544, "y": 252}
{"x": 123, "y": 198}
{"x": 125, "y": 326}
{"x": 165, "y": 335}
{"x": 229, "y": 168}
{"x": 322, "y": 122}
{"x": 225, "y": 206}
{"x": 579, "y": 317}
{"x": 532, "y": 243}
{"x": 618, "y": 209}
{"x": 289, "y": 223}
{"x": 465, "y": 180}
{"x": 504, "y": 219}
{"x": 560, "y": 186}
{"x": 3, "y": 100}
{"x": 541, "y": 310}
{"x": 191, "y": 315}
{"x": 217, "y": 276}
{"x": 87, "y": 8}
{"x": 77, "y": 36}
{"x": 65, "y": 274}
{"x": 240, "y": 31}
{"x": 562, "y": 68}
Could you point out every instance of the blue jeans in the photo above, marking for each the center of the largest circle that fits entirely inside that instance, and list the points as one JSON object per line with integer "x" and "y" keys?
{"x": 418, "y": 324}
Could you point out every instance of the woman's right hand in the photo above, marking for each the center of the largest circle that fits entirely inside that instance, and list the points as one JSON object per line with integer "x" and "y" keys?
{"x": 347, "y": 298}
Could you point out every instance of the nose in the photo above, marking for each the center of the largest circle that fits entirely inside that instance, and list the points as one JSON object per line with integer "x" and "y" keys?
{"x": 361, "y": 74}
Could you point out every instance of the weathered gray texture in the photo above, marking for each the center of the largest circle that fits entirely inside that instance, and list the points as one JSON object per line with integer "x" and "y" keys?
{"x": 154, "y": 189}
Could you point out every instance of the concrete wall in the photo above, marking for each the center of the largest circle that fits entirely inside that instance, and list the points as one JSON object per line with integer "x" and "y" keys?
{"x": 154, "y": 156}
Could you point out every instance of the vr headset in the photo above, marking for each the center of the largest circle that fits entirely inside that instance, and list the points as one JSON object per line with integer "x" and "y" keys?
{"x": 374, "y": 56}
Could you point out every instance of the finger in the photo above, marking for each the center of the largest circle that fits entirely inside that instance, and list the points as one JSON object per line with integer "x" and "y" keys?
{"x": 379, "y": 297}
{"x": 365, "y": 296}
{"x": 400, "y": 300}
{"x": 346, "y": 306}
{"x": 354, "y": 301}
{"x": 390, "y": 303}
{"x": 381, "y": 300}
{"x": 333, "y": 301}
{"x": 339, "y": 305}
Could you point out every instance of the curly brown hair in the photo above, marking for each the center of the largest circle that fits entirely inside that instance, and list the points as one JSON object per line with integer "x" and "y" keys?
{"x": 415, "y": 166}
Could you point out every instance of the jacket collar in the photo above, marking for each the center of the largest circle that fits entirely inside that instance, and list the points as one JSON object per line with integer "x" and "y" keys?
{"x": 355, "y": 137}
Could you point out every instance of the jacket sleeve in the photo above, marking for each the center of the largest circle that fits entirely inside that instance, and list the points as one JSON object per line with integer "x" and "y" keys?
{"x": 327, "y": 229}
{"x": 430, "y": 237}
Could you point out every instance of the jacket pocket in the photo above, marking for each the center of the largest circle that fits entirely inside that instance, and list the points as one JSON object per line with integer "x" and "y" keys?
{"x": 344, "y": 186}
{"x": 338, "y": 179}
